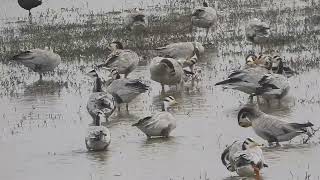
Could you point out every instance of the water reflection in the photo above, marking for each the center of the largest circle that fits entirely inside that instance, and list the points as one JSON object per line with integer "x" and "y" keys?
{"x": 45, "y": 87}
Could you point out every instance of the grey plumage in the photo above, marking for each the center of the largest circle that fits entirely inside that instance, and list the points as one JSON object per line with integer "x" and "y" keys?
{"x": 99, "y": 101}
{"x": 38, "y": 60}
{"x": 159, "y": 124}
{"x": 204, "y": 17}
{"x": 246, "y": 80}
{"x": 124, "y": 60}
{"x": 135, "y": 21}
{"x": 271, "y": 128}
{"x": 273, "y": 86}
{"x": 245, "y": 158}
{"x": 166, "y": 71}
{"x": 257, "y": 32}
{"x": 98, "y": 137}
{"x": 125, "y": 90}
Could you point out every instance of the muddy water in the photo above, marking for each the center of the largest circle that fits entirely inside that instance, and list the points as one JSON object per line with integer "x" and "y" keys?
{"x": 43, "y": 125}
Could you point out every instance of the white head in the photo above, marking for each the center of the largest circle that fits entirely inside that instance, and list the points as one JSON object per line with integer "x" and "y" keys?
{"x": 249, "y": 143}
{"x": 168, "y": 102}
{"x": 250, "y": 59}
{"x": 115, "y": 45}
{"x": 114, "y": 74}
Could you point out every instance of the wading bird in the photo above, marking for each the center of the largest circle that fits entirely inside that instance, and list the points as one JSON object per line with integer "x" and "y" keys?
{"x": 245, "y": 158}
{"x": 270, "y": 128}
{"x": 38, "y": 60}
{"x": 159, "y": 124}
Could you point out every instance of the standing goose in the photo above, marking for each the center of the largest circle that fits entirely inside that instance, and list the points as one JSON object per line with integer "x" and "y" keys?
{"x": 246, "y": 80}
{"x": 257, "y": 32}
{"x": 245, "y": 158}
{"x": 124, "y": 60}
{"x": 98, "y": 137}
{"x": 159, "y": 124}
{"x": 38, "y": 60}
{"x": 135, "y": 21}
{"x": 166, "y": 71}
{"x": 270, "y": 128}
{"x": 29, "y": 4}
{"x": 185, "y": 52}
{"x": 204, "y": 17}
{"x": 99, "y": 101}
{"x": 125, "y": 90}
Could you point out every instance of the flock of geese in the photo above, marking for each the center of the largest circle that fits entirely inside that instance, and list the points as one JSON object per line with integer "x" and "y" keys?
{"x": 264, "y": 76}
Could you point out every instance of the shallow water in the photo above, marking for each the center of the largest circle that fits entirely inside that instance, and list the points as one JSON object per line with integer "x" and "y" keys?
{"x": 43, "y": 125}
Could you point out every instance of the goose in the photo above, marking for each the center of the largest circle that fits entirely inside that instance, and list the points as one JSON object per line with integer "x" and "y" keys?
{"x": 186, "y": 53}
{"x": 166, "y": 71}
{"x": 135, "y": 21}
{"x": 161, "y": 123}
{"x": 38, "y": 60}
{"x": 124, "y": 60}
{"x": 278, "y": 67}
{"x": 125, "y": 90}
{"x": 270, "y": 128}
{"x": 204, "y": 17}
{"x": 29, "y": 4}
{"x": 99, "y": 101}
{"x": 245, "y": 158}
{"x": 98, "y": 137}
{"x": 257, "y": 32}
{"x": 246, "y": 80}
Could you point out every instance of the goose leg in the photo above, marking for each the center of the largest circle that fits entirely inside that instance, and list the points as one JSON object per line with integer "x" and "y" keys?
{"x": 127, "y": 107}
{"x": 40, "y": 77}
{"x": 207, "y": 32}
{"x": 118, "y": 108}
{"x": 257, "y": 172}
{"x": 162, "y": 86}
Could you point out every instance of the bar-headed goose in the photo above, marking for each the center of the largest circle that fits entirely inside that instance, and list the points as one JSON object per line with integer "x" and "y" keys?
{"x": 245, "y": 158}
{"x": 279, "y": 67}
{"x": 98, "y": 137}
{"x": 166, "y": 71}
{"x": 268, "y": 127}
{"x": 246, "y": 80}
{"x": 159, "y": 124}
{"x": 29, "y": 4}
{"x": 124, "y": 60}
{"x": 99, "y": 101}
{"x": 125, "y": 90}
{"x": 38, "y": 60}
{"x": 135, "y": 21}
{"x": 185, "y": 52}
{"x": 204, "y": 17}
{"x": 257, "y": 32}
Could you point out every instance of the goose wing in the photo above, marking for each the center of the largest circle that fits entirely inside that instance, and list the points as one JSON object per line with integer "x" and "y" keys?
{"x": 272, "y": 84}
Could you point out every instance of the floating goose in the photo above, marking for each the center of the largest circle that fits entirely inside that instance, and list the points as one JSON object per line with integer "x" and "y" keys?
{"x": 204, "y": 17}
{"x": 166, "y": 71}
{"x": 135, "y": 21}
{"x": 99, "y": 101}
{"x": 257, "y": 32}
{"x": 159, "y": 124}
{"x": 125, "y": 90}
{"x": 124, "y": 60}
{"x": 98, "y": 137}
{"x": 246, "y": 158}
{"x": 270, "y": 128}
{"x": 29, "y": 4}
{"x": 38, "y": 60}
{"x": 185, "y": 52}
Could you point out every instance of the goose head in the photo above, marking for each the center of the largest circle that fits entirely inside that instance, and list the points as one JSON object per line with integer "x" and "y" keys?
{"x": 277, "y": 64}
{"x": 114, "y": 74}
{"x": 250, "y": 59}
{"x": 249, "y": 143}
{"x": 168, "y": 102}
{"x": 115, "y": 45}
{"x": 98, "y": 83}
{"x": 198, "y": 49}
{"x": 205, "y": 4}
{"x": 246, "y": 115}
